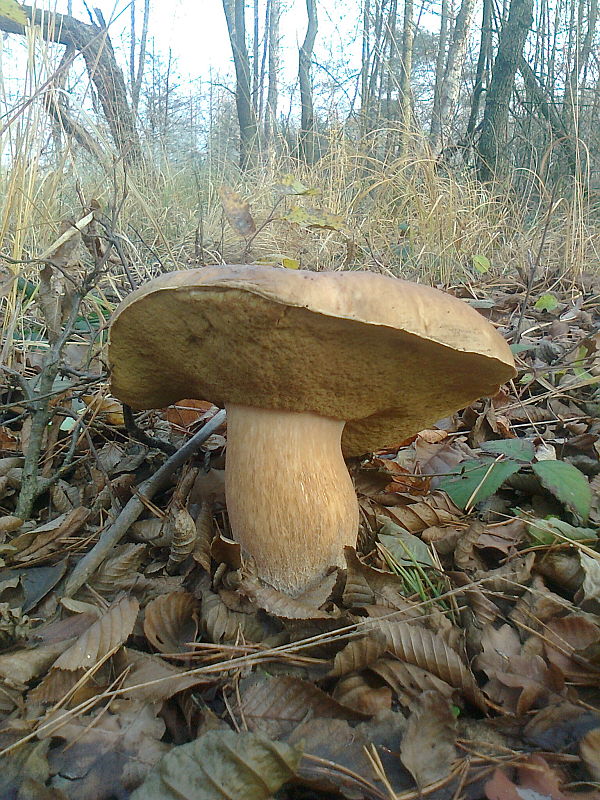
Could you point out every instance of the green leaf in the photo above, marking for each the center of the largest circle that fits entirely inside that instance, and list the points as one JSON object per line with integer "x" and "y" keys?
{"x": 291, "y": 185}
{"x": 12, "y": 10}
{"x": 521, "y": 347}
{"x": 519, "y": 449}
{"x": 552, "y": 530}
{"x": 221, "y": 764}
{"x": 567, "y": 484}
{"x": 481, "y": 264}
{"x": 313, "y": 218}
{"x": 546, "y": 302}
{"x": 406, "y": 548}
{"x": 279, "y": 260}
{"x": 483, "y": 479}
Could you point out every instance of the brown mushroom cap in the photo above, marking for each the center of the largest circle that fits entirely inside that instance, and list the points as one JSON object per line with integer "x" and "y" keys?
{"x": 388, "y": 356}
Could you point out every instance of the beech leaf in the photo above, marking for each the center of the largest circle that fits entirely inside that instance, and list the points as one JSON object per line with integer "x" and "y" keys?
{"x": 221, "y": 764}
{"x": 170, "y": 622}
{"x": 428, "y": 746}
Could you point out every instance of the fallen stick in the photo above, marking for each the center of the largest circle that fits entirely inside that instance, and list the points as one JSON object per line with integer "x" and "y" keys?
{"x": 134, "y": 507}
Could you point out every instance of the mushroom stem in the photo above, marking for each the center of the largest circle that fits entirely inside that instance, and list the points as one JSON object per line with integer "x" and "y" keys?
{"x": 291, "y": 502}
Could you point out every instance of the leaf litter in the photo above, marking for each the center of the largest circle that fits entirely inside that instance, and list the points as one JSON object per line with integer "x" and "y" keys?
{"x": 456, "y": 655}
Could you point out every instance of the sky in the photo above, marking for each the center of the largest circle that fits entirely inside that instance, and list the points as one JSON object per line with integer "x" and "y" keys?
{"x": 196, "y": 32}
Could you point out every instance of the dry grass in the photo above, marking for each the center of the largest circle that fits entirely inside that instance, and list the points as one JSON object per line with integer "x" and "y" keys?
{"x": 404, "y": 216}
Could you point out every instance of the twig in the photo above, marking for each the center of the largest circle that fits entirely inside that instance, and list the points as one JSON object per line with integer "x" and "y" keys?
{"x": 134, "y": 507}
{"x": 142, "y": 436}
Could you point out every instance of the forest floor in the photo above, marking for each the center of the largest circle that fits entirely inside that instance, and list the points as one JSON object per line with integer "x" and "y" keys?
{"x": 456, "y": 656}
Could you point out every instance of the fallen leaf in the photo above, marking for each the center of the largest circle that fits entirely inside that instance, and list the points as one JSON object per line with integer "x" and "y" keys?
{"x": 221, "y": 764}
{"x": 170, "y": 622}
{"x": 428, "y": 746}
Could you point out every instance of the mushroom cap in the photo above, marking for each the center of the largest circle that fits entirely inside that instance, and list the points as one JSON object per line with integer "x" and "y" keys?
{"x": 388, "y": 356}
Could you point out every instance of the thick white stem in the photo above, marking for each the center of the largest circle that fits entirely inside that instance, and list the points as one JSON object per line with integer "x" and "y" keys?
{"x": 291, "y": 502}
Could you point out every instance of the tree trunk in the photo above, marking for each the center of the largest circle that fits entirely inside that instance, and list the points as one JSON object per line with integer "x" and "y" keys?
{"x": 273, "y": 45}
{"x": 483, "y": 61}
{"x": 549, "y": 113}
{"x": 95, "y": 46}
{"x": 408, "y": 36}
{"x": 236, "y": 27}
{"x": 307, "y": 123}
{"x": 451, "y": 83}
{"x": 494, "y": 127}
{"x": 137, "y": 75}
{"x": 440, "y": 63}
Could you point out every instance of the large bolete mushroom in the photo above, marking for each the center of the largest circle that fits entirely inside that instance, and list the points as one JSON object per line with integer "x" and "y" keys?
{"x": 310, "y": 366}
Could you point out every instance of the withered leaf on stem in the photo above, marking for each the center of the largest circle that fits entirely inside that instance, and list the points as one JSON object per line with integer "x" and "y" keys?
{"x": 237, "y": 212}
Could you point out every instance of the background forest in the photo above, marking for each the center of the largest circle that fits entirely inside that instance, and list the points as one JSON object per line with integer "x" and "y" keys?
{"x": 442, "y": 134}
{"x": 453, "y": 651}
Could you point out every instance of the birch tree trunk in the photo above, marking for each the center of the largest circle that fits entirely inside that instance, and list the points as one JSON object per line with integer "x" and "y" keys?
{"x": 307, "y": 123}
{"x": 450, "y": 89}
{"x": 408, "y": 37}
{"x": 273, "y": 60}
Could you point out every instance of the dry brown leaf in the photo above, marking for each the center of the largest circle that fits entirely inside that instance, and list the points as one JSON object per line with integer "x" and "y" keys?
{"x": 504, "y": 536}
{"x": 102, "y": 637}
{"x": 562, "y": 569}
{"x": 538, "y": 605}
{"x": 109, "y": 752}
{"x": 120, "y": 571}
{"x": 276, "y": 705}
{"x": 589, "y": 748}
{"x": 237, "y": 212}
{"x": 277, "y": 603}
{"x": 182, "y": 529}
{"x": 317, "y": 595}
{"x": 226, "y": 551}
{"x": 221, "y": 624}
{"x": 24, "y": 665}
{"x": 151, "y": 531}
{"x": 367, "y": 586}
{"x": 187, "y": 412}
{"x": 441, "y": 458}
{"x": 518, "y": 680}
{"x": 355, "y": 692}
{"x": 163, "y": 679}
{"x": 415, "y": 644}
{"x": 8, "y": 523}
{"x": 536, "y": 779}
{"x": 359, "y": 653}
{"x": 204, "y": 535}
{"x": 428, "y": 746}
{"x": 465, "y": 555}
{"x": 566, "y": 637}
{"x": 408, "y": 681}
{"x": 170, "y": 622}
{"x": 435, "y": 510}
{"x": 47, "y": 538}
{"x": 510, "y": 577}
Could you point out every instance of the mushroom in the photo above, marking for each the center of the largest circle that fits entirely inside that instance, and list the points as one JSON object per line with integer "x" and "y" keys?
{"x": 311, "y": 367}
